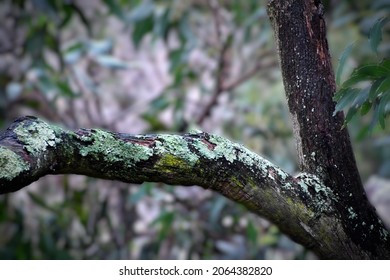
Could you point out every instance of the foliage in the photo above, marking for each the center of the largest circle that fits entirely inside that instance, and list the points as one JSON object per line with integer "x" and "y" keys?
{"x": 368, "y": 87}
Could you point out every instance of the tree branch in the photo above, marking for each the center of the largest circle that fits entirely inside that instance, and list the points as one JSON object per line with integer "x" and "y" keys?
{"x": 301, "y": 206}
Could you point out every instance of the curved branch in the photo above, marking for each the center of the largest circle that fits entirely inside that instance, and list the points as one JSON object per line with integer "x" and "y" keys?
{"x": 301, "y": 206}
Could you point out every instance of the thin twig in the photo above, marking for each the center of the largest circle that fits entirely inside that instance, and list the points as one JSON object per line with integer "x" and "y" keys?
{"x": 222, "y": 62}
{"x": 232, "y": 85}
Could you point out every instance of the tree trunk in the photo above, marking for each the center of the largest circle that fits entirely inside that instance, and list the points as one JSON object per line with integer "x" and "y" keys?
{"x": 323, "y": 145}
{"x": 324, "y": 208}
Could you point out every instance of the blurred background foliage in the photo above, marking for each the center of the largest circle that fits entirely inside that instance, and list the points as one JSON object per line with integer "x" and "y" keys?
{"x": 169, "y": 66}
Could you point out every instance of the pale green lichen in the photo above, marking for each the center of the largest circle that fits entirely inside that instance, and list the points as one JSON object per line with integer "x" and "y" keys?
{"x": 224, "y": 148}
{"x": 105, "y": 145}
{"x": 37, "y": 136}
{"x": 352, "y": 213}
{"x": 11, "y": 164}
{"x": 176, "y": 146}
{"x": 323, "y": 195}
{"x": 231, "y": 152}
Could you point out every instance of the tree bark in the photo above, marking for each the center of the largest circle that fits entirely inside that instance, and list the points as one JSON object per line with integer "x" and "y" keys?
{"x": 323, "y": 145}
{"x": 302, "y": 207}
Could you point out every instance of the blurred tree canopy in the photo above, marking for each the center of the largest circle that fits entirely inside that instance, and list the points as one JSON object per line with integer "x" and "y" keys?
{"x": 157, "y": 66}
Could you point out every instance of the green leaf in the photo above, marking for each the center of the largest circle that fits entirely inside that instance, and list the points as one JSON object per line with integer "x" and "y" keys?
{"x": 374, "y": 89}
{"x": 366, "y": 73}
{"x": 347, "y": 97}
{"x": 385, "y": 100}
{"x": 351, "y": 112}
{"x": 375, "y": 35}
{"x": 373, "y": 70}
{"x": 162, "y": 25}
{"x": 114, "y": 8}
{"x": 160, "y": 103}
{"x": 141, "y": 28}
{"x": 64, "y": 89}
{"x": 342, "y": 60}
{"x": 384, "y": 86}
{"x": 251, "y": 233}
{"x": 363, "y": 132}
{"x": 385, "y": 63}
{"x": 365, "y": 108}
{"x": 166, "y": 220}
{"x": 41, "y": 202}
{"x": 361, "y": 97}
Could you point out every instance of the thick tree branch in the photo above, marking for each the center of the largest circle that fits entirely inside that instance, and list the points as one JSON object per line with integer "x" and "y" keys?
{"x": 323, "y": 146}
{"x": 301, "y": 206}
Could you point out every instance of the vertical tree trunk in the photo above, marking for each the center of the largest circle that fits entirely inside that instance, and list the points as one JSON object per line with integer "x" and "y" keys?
{"x": 323, "y": 146}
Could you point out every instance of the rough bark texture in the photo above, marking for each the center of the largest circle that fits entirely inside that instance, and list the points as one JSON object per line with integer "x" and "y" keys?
{"x": 302, "y": 207}
{"x": 323, "y": 146}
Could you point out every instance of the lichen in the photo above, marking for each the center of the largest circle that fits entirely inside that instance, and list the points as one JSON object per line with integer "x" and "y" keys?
{"x": 384, "y": 234}
{"x": 104, "y": 144}
{"x": 352, "y": 213}
{"x": 37, "y": 136}
{"x": 323, "y": 197}
{"x": 11, "y": 164}
{"x": 176, "y": 146}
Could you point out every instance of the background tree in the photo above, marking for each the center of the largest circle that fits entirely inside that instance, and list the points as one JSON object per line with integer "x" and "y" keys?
{"x": 145, "y": 20}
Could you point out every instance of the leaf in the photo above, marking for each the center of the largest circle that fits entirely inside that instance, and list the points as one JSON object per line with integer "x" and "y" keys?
{"x": 142, "y": 11}
{"x": 347, "y": 98}
{"x": 385, "y": 63}
{"x": 351, "y": 112}
{"x": 73, "y": 52}
{"x": 65, "y": 89}
{"x": 375, "y": 35}
{"x": 114, "y": 8}
{"x": 373, "y": 70}
{"x": 374, "y": 89}
{"x": 160, "y": 103}
{"x": 365, "y": 108}
{"x": 342, "y": 60}
{"x": 162, "y": 25}
{"x": 111, "y": 62}
{"x": 166, "y": 220}
{"x": 366, "y": 73}
{"x": 384, "y": 86}
{"x": 382, "y": 108}
{"x": 361, "y": 97}
{"x": 363, "y": 132}
{"x": 141, "y": 28}
{"x": 99, "y": 47}
{"x": 41, "y": 202}
{"x": 251, "y": 233}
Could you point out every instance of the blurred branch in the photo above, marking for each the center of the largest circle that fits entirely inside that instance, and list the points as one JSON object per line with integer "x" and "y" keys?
{"x": 240, "y": 80}
{"x": 221, "y": 76}
{"x": 222, "y": 64}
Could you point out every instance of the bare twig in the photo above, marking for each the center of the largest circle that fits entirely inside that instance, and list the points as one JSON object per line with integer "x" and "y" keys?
{"x": 223, "y": 59}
